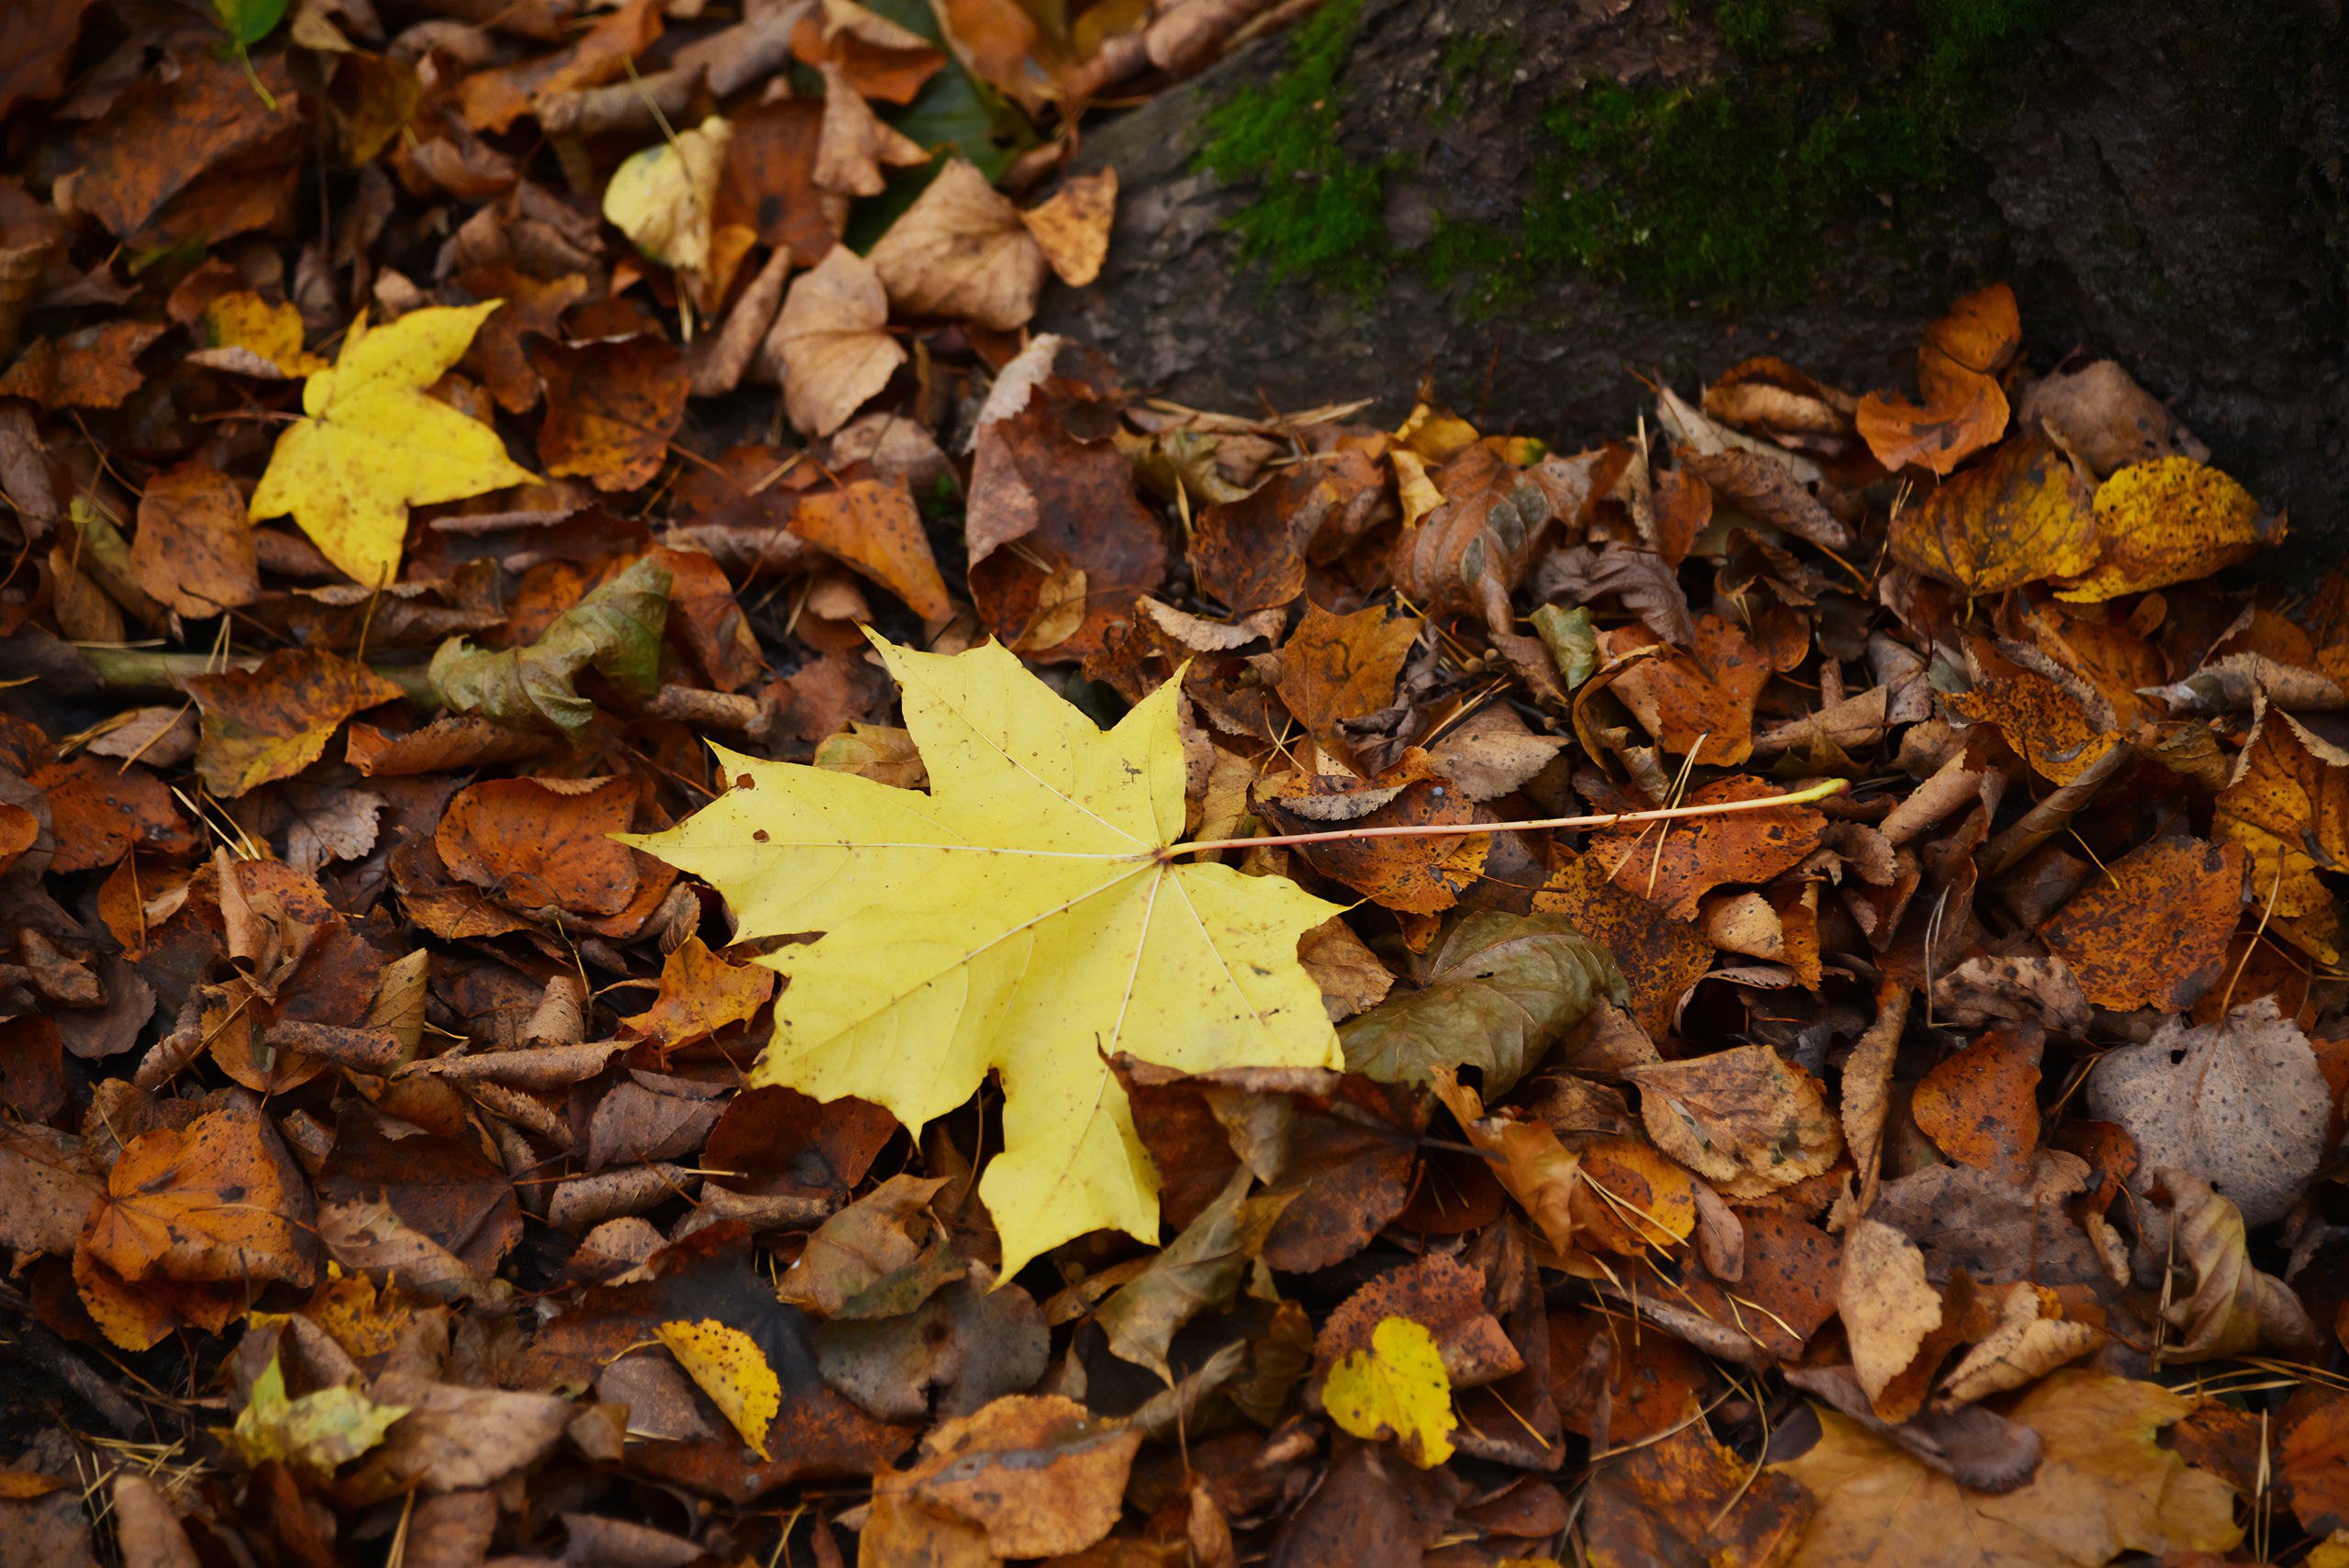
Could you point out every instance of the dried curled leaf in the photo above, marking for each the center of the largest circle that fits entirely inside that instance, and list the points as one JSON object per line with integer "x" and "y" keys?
{"x": 615, "y": 631}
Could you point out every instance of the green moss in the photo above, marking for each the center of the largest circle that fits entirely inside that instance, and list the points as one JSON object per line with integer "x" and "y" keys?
{"x": 1320, "y": 213}
{"x": 1728, "y": 192}
{"x": 1470, "y": 56}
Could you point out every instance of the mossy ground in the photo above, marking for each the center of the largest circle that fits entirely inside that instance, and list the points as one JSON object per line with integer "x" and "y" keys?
{"x": 1730, "y": 191}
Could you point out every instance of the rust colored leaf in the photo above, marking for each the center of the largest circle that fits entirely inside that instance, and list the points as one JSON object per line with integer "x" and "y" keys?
{"x": 873, "y": 526}
{"x": 1701, "y": 698}
{"x": 1661, "y": 957}
{"x": 700, "y": 994}
{"x": 1446, "y": 1299}
{"x": 611, "y": 408}
{"x": 1688, "y": 1499}
{"x": 1957, "y": 368}
{"x": 1340, "y": 667}
{"x": 1069, "y": 502}
{"x": 1040, "y": 1476}
{"x": 94, "y": 368}
{"x": 1423, "y": 875}
{"x": 194, "y": 547}
{"x": 2023, "y": 516}
{"x": 534, "y": 847}
{"x": 786, "y": 1143}
{"x": 1471, "y": 551}
{"x": 274, "y": 721}
{"x": 493, "y": 100}
{"x": 497, "y": 354}
{"x": 218, "y": 1201}
{"x": 102, "y": 810}
{"x": 1791, "y": 1273}
{"x": 161, "y": 135}
{"x": 2060, "y": 727}
{"x": 1674, "y": 866}
{"x": 1649, "y": 1384}
{"x": 1981, "y": 1106}
{"x": 2152, "y": 931}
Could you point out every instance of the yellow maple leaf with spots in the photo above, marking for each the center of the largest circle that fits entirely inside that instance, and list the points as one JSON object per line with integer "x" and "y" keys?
{"x": 1397, "y": 1388}
{"x": 1025, "y": 917}
{"x": 373, "y": 444}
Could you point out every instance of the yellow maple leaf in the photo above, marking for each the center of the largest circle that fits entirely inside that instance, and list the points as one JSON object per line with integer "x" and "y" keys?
{"x": 1398, "y": 1388}
{"x": 1022, "y": 917}
{"x": 730, "y": 1369}
{"x": 374, "y": 444}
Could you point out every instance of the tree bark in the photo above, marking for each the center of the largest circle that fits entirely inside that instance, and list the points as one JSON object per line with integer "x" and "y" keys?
{"x": 2160, "y": 183}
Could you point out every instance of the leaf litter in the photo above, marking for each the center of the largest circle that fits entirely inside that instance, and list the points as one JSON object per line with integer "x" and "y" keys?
{"x": 672, "y": 895}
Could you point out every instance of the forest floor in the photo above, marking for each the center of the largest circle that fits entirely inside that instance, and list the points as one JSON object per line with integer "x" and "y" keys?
{"x": 677, "y": 899}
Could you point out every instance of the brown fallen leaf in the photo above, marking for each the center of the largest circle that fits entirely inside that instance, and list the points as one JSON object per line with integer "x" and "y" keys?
{"x": 2103, "y": 1486}
{"x": 1036, "y": 1475}
{"x": 1743, "y": 1120}
{"x": 611, "y": 408}
{"x": 873, "y": 526}
{"x": 855, "y": 143}
{"x": 195, "y": 550}
{"x": 1673, "y": 866}
{"x": 272, "y": 721}
{"x": 536, "y": 847}
{"x": 1072, "y": 225}
{"x": 1981, "y": 1107}
{"x": 961, "y": 250}
{"x": 1697, "y": 703}
{"x": 2152, "y": 931}
{"x": 2099, "y": 412}
{"x": 829, "y": 342}
{"x": 1688, "y": 1499}
{"x": 1957, "y": 371}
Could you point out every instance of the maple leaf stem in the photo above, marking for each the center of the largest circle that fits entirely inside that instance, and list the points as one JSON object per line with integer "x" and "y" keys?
{"x": 1437, "y": 829}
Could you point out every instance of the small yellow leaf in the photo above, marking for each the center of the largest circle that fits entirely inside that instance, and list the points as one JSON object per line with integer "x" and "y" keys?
{"x": 374, "y": 444}
{"x": 730, "y": 1369}
{"x": 1397, "y": 1388}
{"x": 665, "y": 198}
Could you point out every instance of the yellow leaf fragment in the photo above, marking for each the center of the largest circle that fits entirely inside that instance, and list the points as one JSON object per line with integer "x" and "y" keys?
{"x": 730, "y": 1369}
{"x": 1018, "y": 919}
{"x": 1397, "y": 1388}
{"x": 245, "y": 333}
{"x": 373, "y": 444}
